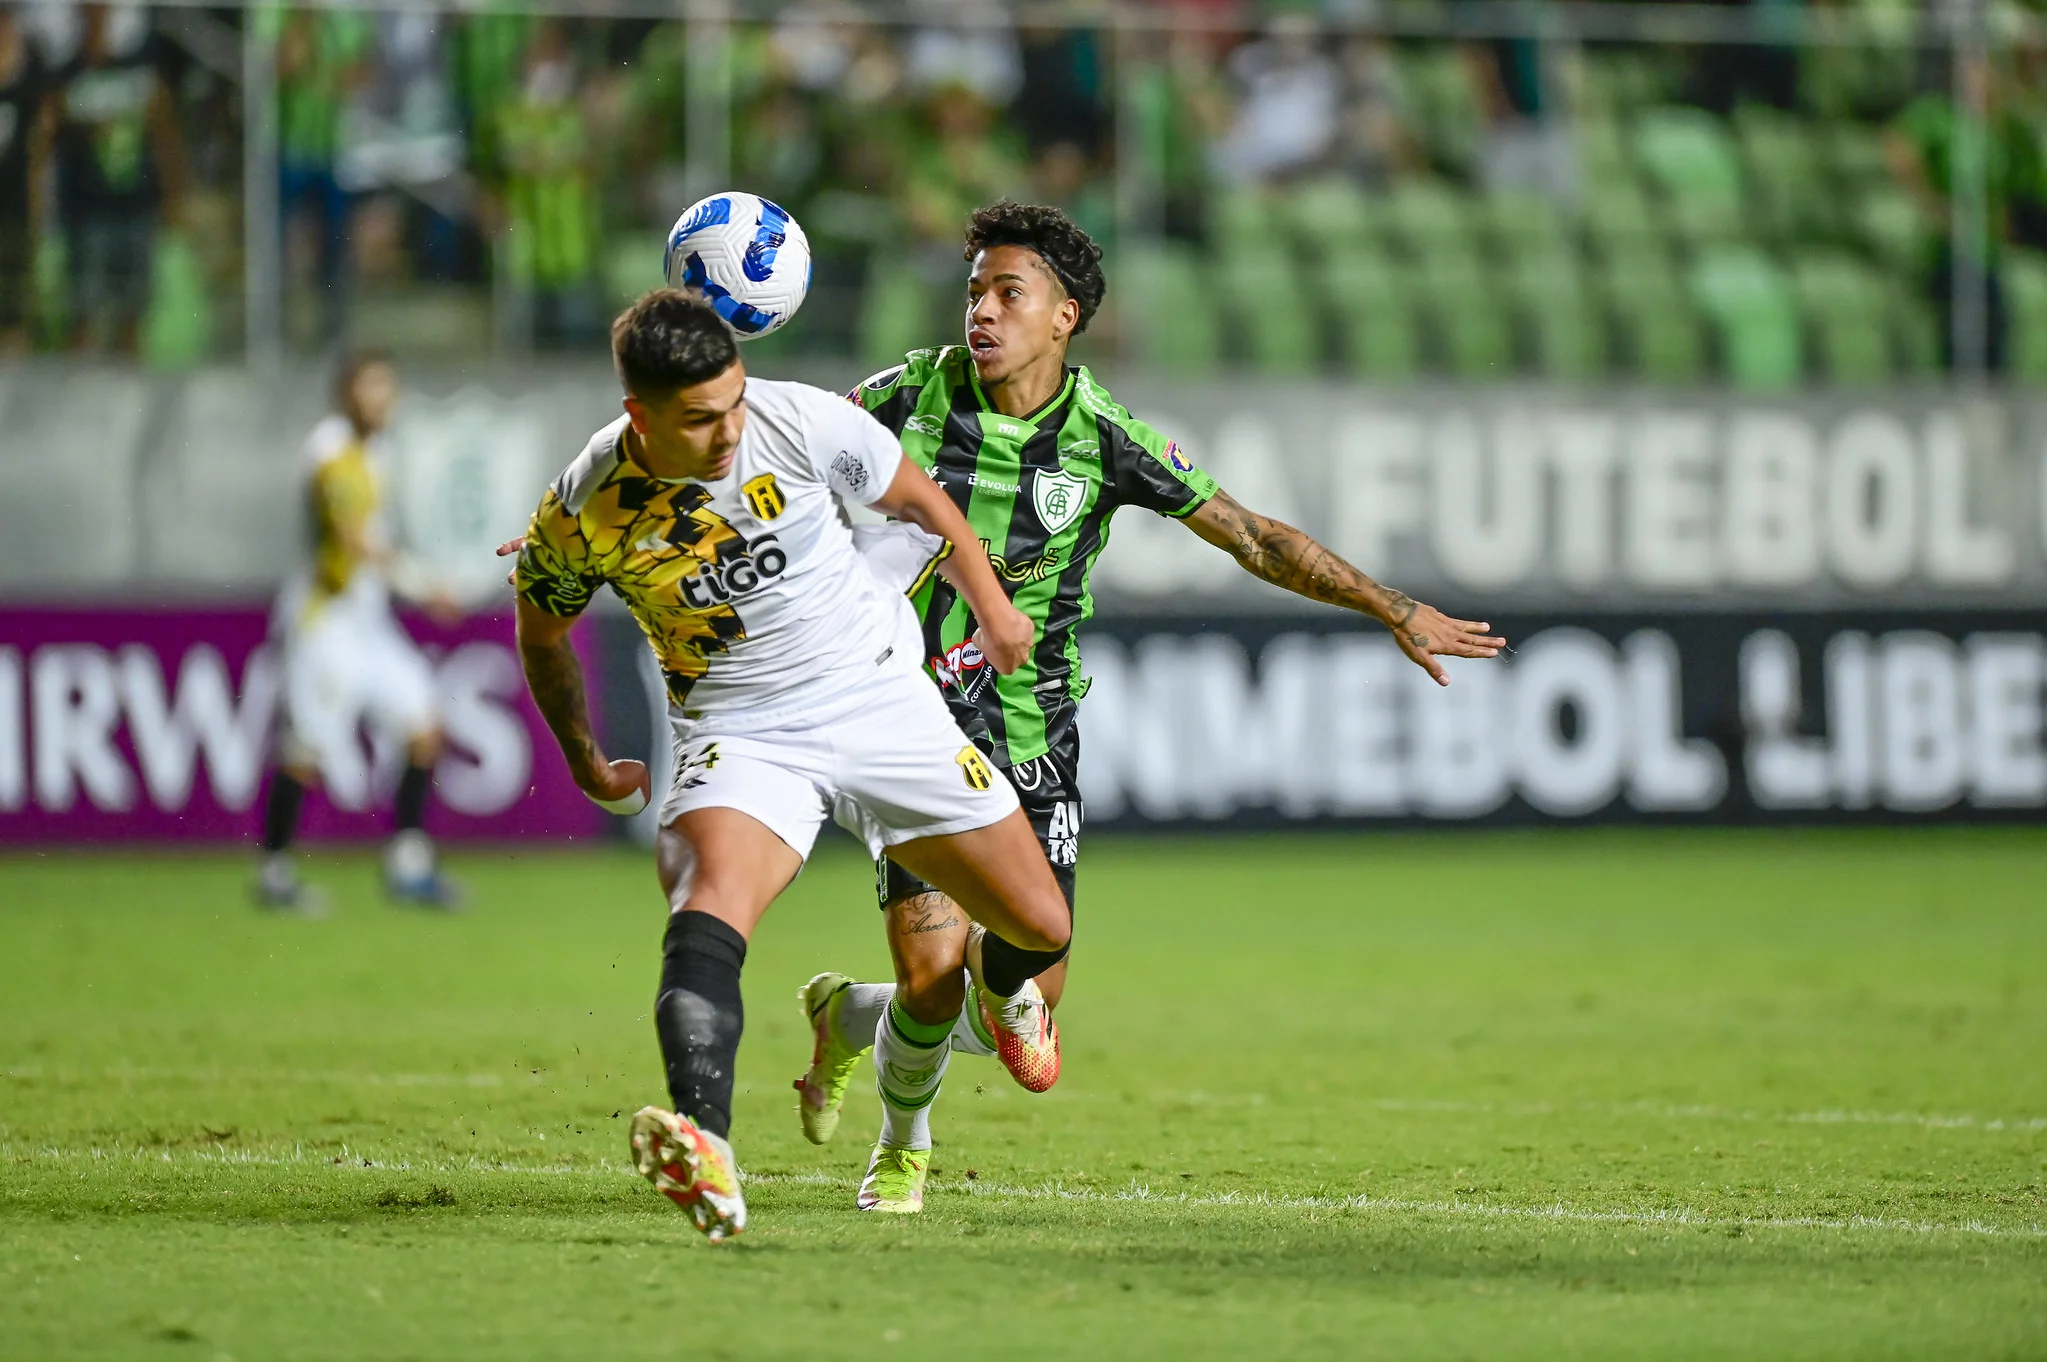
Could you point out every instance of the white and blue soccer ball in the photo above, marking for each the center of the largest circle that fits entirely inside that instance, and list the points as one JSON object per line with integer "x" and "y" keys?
{"x": 746, "y": 255}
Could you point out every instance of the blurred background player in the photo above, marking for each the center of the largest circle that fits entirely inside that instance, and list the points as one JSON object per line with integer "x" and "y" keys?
{"x": 347, "y": 659}
{"x": 1039, "y": 457}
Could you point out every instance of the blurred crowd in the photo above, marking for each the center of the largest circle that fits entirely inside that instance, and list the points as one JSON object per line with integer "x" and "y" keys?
{"x": 518, "y": 168}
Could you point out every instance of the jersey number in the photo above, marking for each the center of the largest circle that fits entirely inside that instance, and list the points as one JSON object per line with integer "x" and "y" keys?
{"x": 974, "y": 769}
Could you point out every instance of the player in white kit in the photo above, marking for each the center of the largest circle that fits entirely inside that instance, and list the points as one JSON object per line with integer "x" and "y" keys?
{"x": 347, "y": 659}
{"x": 712, "y": 509}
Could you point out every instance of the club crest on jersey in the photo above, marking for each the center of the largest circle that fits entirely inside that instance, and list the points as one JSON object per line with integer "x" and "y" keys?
{"x": 1177, "y": 459}
{"x": 1058, "y": 497}
{"x": 763, "y": 497}
{"x": 975, "y": 768}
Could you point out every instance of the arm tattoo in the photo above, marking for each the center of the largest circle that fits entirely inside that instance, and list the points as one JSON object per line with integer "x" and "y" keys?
{"x": 1289, "y": 558}
{"x": 556, "y": 680}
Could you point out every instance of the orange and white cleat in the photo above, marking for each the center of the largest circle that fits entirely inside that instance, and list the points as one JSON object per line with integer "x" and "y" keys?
{"x": 1026, "y": 1038}
{"x": 692, "y": 1168}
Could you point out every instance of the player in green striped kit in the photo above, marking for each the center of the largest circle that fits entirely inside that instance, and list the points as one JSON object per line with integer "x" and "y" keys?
{"x": 1039, "y": 457}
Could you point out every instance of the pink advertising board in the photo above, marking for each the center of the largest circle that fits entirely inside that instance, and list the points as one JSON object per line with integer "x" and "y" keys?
{"x": 156, "y": 725}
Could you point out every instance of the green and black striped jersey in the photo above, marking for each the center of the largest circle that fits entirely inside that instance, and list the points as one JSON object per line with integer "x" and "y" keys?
{"x": 1039, "y": 492}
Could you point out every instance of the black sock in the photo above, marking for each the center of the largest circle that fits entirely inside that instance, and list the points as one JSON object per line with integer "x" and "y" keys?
{"x": 698, "y": 1015}
{"x": 281, "y": 811}
{"x": 1004, "y": 967}
{"x": 411, "y": 802}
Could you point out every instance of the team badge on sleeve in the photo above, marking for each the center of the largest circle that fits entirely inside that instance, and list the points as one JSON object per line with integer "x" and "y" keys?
{"x": 1177, "y": 459}
{"x": 763, "y": 497}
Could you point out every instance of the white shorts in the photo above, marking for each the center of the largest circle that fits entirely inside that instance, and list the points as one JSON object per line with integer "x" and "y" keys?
{"x": 342, "y": 668}
{"x": 889, "y": 768}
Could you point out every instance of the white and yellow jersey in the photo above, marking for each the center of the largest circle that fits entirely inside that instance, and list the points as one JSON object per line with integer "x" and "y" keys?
{"x": 749, "y": 587}
{"x": 350, "y": 542}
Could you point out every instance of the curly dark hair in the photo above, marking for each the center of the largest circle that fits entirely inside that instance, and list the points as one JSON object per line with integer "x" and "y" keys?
{"x": 1070, "y": 253}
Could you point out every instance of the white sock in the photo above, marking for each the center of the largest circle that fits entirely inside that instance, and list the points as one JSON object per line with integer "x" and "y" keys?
{"x": 907, "y": 1076}
{"x": 968, "y": 1037}
{"x": 864, "y": 1004}
{"x": 409, "y": 855}
{"x": 860, "y": 1012}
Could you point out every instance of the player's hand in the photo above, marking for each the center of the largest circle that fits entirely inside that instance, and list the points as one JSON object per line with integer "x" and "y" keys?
{"x": 506, "y": 550}
{"x": 620, "y": 787}
{"x": 1005, "y": 638}
{"x": 1427, "y": 633}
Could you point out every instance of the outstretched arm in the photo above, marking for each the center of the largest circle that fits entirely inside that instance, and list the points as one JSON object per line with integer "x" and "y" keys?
{"x": 556, "y": 679}
{"x": 1287, "y": 557}
{"x": 1006, "y": 633}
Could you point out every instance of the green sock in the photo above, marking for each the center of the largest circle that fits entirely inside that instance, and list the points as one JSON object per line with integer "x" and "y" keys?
{"x": 923, "y": 1035}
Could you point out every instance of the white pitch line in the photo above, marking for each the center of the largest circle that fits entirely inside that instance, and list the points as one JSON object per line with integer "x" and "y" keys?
{"x": 1135, "y": 1192}
{"x": 1448, "y": 1106}
{"x": 1928, "y": 1120}
{"x": 317, "y": 1078}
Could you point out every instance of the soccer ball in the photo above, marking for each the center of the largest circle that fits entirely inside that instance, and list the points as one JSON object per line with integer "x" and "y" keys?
{"x": 746, "y": 255}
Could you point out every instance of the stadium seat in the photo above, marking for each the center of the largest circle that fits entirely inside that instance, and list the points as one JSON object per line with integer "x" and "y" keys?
{"x": 1428, "y": 216}
{"x": 1745, "y": 297}
{"x": 1274, "y": 319}
{"x": 1164, "y": 280}
{"x": 1473, "y": 336}
{"x": 1329, "y": 216}
{"x": 1858, "y": 154}
{"x": 1689, "y": 155}
{"x": 1790, "y": 189}
{"x": 1915, "y": 326}
{"x": 1893, "y": 228}
{"x": 631, "y": 266}
{"x": 2025, "y": 290}
{"x": 1437, "y": 84}
{"x": 1603, "y": 152}
{"x": 1559, "y": 318}
{"x": 895, "y": 313}
{"x": 1657, "y": 320}
{"x": 1619, "y": 218}
{"x": 1373, "y": 316}
{"x": 1845, "y": 311}
{"x": 1526, "y": 224}
{"x": 177, "y": 331}
{"x": 1241, "y": 219}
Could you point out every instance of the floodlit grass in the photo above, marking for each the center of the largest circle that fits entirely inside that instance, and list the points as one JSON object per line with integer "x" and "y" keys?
{"x": 1584, "y": 1095}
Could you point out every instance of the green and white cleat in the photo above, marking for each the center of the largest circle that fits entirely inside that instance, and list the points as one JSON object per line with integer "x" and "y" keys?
{"x": 692, "y": 1168}
{"x": 822, "y": 1091}
{"x": 894, "y": 1184}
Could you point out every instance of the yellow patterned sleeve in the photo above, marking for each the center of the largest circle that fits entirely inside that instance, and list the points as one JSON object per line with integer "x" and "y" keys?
{"x": 553, "y": 572}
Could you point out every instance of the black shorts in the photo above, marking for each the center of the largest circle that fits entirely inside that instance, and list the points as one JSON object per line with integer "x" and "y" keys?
{"x": 1048, "y": 787}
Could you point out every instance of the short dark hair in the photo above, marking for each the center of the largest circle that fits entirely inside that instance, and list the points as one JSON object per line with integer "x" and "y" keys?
{"x": 670, "y": 339}
{"x": 351, "y": 368}
{"x": 1070, "y": 253}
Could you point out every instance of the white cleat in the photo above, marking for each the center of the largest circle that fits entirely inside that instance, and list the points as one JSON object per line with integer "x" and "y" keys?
{"x": 692, "y": 1168}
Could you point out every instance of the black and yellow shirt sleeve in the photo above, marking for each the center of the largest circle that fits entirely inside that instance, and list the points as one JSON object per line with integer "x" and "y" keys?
{"x": 553, "y": 572}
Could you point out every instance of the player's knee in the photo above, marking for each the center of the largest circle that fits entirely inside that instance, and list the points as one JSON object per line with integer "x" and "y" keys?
{"x": 1047, "y": 927}
{"x": 931, "y": 995}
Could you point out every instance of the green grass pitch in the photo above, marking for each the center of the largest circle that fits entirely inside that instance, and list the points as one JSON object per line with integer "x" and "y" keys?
{"x": 1574, "y": 1095}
